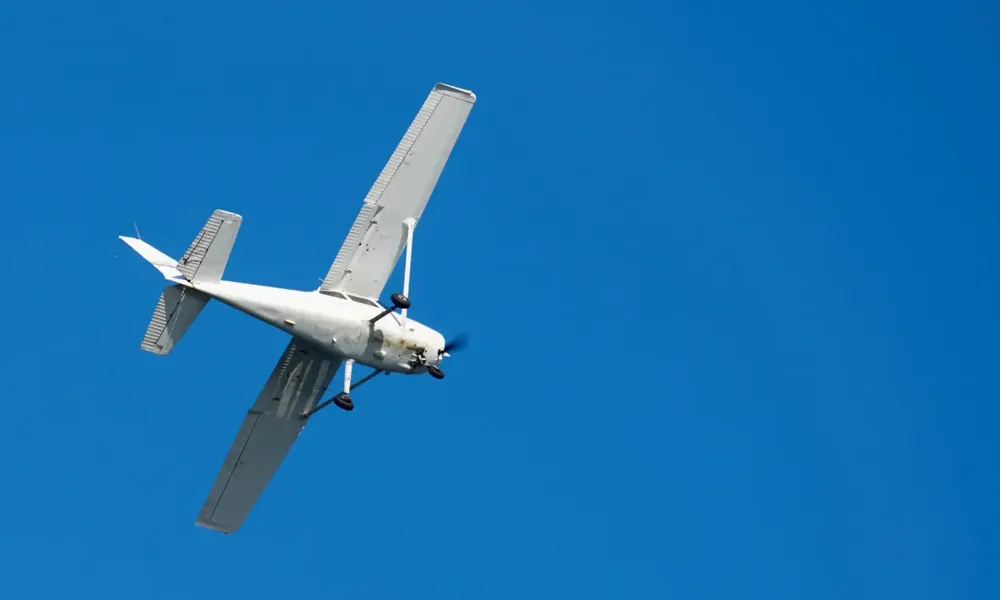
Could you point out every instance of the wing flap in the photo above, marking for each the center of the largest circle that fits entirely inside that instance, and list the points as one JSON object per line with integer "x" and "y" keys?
{"x": 267, "y": 434}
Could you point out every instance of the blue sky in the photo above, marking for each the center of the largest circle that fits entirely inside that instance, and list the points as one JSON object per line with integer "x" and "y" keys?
{"x": 728, "y": 270}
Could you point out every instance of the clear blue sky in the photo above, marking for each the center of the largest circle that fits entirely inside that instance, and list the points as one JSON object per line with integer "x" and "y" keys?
{"x": 729, "y": 274}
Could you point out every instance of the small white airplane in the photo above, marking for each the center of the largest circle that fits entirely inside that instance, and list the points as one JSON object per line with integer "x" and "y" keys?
{"x": 339, "y": 324}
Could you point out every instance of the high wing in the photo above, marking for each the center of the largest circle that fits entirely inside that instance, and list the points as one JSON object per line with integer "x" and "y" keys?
{"x": 270, "y": 428}
{"x": 378, "y": 236}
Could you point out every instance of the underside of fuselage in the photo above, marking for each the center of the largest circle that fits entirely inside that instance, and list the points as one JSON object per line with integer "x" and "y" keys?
{"x": 341, "y": 326}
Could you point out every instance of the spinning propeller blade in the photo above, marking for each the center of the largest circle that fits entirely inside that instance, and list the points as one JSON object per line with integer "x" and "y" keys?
{"x": 456, "y": 344}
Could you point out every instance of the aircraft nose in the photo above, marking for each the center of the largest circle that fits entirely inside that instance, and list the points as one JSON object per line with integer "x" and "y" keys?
{"x": 438, "y": 347}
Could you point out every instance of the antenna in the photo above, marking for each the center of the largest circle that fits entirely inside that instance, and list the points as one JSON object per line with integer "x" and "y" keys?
{"x": 134, "y": 224}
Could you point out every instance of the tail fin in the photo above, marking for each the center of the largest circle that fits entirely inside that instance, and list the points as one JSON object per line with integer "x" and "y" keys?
{"x": 204, "y": 261}
{"x": 163, "y": 263}
{"x": 206, "y": 257}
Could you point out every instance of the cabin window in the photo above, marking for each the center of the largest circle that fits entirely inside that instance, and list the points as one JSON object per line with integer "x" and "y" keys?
{"x": 337, "y": 295}
{"x": 363, "y": 300}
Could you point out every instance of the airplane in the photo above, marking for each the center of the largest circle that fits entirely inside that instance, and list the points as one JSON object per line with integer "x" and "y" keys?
{"x": 340, "y": 324}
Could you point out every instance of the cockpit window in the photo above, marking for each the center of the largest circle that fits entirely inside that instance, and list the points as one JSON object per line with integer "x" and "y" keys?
{"x": 363, "y": 300}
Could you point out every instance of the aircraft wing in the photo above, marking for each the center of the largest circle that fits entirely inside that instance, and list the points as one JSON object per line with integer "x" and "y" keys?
{"x": 270, "y": 428}
{"x": 378, "y": 236}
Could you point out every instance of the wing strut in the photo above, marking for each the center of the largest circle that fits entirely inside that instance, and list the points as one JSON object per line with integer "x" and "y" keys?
{"x": 402, "y": 301}
{"x": 409, "y": 224}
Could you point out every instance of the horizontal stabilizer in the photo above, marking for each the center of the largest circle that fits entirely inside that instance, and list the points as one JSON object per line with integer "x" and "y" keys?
{"x": 206, "y": 258}
{"x": 175, "y": 311}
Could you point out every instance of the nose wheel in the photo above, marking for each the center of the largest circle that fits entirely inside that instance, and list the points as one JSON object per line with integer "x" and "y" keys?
{"x": 435, "y": 372}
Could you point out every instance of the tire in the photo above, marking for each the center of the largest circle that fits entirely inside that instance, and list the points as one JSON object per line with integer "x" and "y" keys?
{"x": 343, "y": 402}
{"x": 400, "y": 301}
{"x": 435, "y": 372}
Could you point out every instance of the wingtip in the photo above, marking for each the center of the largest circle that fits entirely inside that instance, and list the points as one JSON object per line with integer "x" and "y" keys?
{"x": 199, "y": 522}
{"x": 228, "y": 215}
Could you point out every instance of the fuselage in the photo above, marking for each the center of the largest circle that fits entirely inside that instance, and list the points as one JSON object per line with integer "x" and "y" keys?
{"x": 337, "y": 323}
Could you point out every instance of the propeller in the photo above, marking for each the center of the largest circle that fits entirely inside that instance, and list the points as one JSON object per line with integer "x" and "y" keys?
{"x": 455, "y": 344}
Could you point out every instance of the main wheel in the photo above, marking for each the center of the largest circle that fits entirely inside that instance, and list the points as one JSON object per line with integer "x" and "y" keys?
{"x": 435, "y": 372}
{"x": 400, "y": 301}
{"x": 343, "y": 402}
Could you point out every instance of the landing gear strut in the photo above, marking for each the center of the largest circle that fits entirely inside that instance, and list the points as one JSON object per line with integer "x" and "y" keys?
{"x": 343, "y": 399}
{"x": 398, "y": 301}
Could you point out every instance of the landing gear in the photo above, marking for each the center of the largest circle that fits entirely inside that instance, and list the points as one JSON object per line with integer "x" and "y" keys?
{"x": 343, "y": 401}
{"x": 435, "y": 372}
{"x": 400, "y": 301}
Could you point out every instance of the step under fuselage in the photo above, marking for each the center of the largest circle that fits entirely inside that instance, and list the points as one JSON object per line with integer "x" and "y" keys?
{"x": 340, "y": 326}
